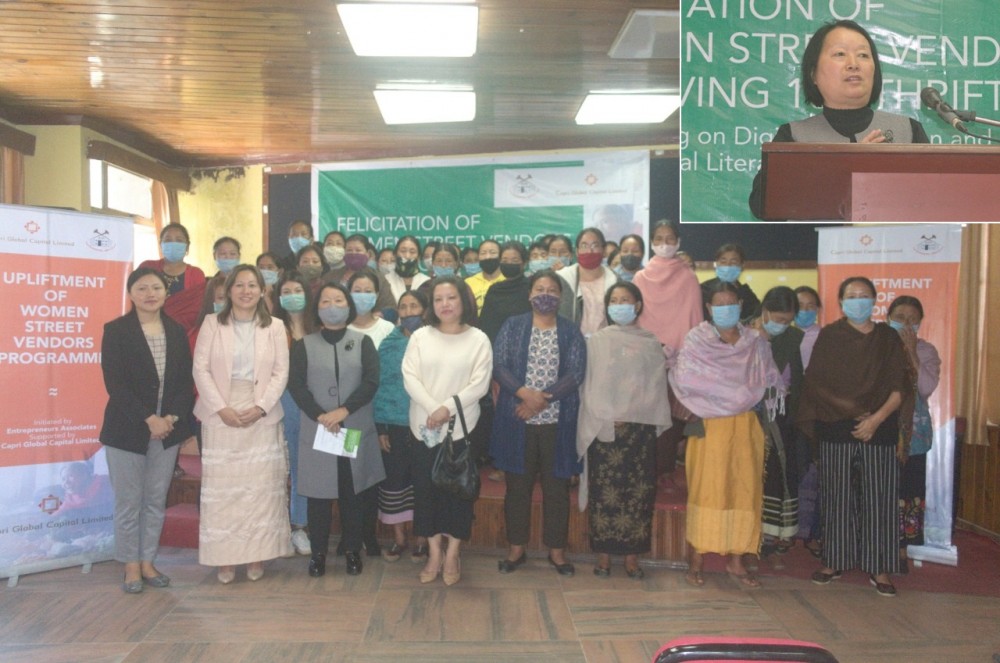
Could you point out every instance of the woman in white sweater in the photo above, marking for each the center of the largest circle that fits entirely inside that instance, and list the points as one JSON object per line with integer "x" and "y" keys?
{"x": 446, "y": 358}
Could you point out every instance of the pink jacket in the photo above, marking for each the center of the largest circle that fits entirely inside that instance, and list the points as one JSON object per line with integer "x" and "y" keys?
{"x": 213, "y": 368}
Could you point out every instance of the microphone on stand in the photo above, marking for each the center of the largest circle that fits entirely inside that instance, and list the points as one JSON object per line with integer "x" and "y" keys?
{"x": 932, "y": 99}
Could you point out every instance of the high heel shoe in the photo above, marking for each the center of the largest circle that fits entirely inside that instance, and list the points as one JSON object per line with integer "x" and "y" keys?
{"x": 429, "y": 576}
{"x": 255, "y": 571}
{"x": 226, "y": 574}
{"x": 451, "y": 578}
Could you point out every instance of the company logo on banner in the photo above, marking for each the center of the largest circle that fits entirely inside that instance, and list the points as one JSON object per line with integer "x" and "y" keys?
{"x": 921, "y": 261}
{"x": 466, "y": 200}
{"x": 63, "y": 277}
{"x": 742, "y": 80}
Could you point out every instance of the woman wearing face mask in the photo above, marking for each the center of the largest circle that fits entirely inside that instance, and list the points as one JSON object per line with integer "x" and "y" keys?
{"x": 333, "y": 379}
{"x": 292, "y": 307}
{"x": 905, "y": 315}
{"x": 427, "y": 257}
{"x": 226, "y": 253}
{"x": 185, "y": 283}
{"x": 538, "y": 258}
{"x": 729, "y": 260}
{"x": 312, "y": 266}
{"x": 857, "y": 401}
{"x": 672, "y": 308}
{"x": 781, "y": 477}
{"x": 617, "y": 432}
{"x": 560, "y": 250}
{"x": 392, "y": 404}
{"x": 445, "y": 264}
{"x": 365, "y": 288}
{"x": 333, "y": 249}
{"x": 630, "y": 255}
{"x": 470, "y": 261}
{"x": 539, "y": 361}
{"x": 240, "y": 370}
{"x": 386, "y": 261}
{"x": 807, "y": 319}
{"x": 509, "y": 297}
{"x": 585, "y": 283}
{"x": 722, "y": 373}
{"x": 489, "y": 273}
{"x": 356, "y": 261}
{"x": 267, "y": 265}
{"x": 300, "y": 235}
{"x": 406, "y": 274}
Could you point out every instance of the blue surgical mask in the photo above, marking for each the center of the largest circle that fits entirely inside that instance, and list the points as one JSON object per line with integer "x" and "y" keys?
{"x": 622, "y": 314}
{"x": 539, "y": 264}
{"x": 226, "y": 265}
{"x": 411, "y": 323}
{"x": 728, "y": 273}
{"x": 334, "y": 315}
{"x": 293, "y": 302}
{"x": 443, "y": 271}
{"x": 805, "y": 319}
{"x": 727, "y": 316}
{"x": 372, "y": 265}
{"x": 427, "y": 264}
{"x": 364, "y": 301}
{"x": 173, "y": 251}
{"x": 296, "y": 244}
{"x": 472, "y": 268}
{"x": 775, "y": 328}
{"x": 217, "y": 306}
{"x": 859, "y": 310}
{"x": 270, "y": 276}
{"x": 624, "y": 274}
{"x": 898, "y": 326}
{"x": 566, "y": 261}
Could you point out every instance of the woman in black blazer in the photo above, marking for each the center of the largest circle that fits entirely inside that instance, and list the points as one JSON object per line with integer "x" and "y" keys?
{"x": 146, "y": 361}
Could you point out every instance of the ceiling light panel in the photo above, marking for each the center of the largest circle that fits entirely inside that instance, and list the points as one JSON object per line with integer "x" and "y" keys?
{"x": 406, "y": 29}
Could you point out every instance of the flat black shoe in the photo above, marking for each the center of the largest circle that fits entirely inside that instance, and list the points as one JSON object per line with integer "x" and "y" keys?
{"x": 636, "y": 574}
{"x": 821, "y": 578}
{"x": 602, "y": 571}
{"x": 883, "y": 588}
{"x": 508, "y": 566}
{"x": 317, "y": 565}
{"x": 566, "y": 569}
{"x": 353, "y": 565}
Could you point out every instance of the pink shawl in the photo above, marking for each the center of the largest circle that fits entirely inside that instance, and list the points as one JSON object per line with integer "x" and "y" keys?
{"x": 672, "y": 300}
{"x": 714, "y": 379}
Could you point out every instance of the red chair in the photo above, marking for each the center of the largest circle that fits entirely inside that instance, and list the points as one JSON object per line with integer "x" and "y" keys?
{"x": 705, "y": 648}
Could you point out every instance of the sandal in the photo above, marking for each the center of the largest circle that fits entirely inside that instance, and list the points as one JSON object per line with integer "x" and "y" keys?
{"x": 694, "y": 578}
{"x": 419, "y": 554}
{"x": 883, "y": 588}
{"x": 783, "y": 546}
{"x": 825, "y": 578}
{"x": 748, "y": 580}
{"x": 393, "y": 552}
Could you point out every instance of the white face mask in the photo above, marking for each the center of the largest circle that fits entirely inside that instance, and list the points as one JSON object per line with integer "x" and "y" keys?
{"x": 666, "y": 250}
{"x": 333, "y": 254}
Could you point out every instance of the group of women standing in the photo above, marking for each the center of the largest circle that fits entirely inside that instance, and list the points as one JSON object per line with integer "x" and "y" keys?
{"x": 582, "y": 394}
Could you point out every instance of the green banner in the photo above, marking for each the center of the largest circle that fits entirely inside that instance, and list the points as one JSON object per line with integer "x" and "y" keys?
{"x": 464, "y": 201}
{"x": 741, "y": 80}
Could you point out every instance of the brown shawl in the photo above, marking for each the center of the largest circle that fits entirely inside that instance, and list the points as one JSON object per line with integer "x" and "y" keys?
{"x": 852, "y": 373}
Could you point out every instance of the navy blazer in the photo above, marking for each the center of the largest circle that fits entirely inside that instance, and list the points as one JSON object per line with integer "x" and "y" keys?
{"x": 133, "y": 385}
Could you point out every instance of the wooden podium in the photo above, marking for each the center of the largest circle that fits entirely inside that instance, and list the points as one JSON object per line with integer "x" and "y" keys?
{"x": 906, "y": 183}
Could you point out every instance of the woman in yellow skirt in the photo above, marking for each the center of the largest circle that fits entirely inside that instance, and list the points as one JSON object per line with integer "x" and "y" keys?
{"x": 725, "y": 375}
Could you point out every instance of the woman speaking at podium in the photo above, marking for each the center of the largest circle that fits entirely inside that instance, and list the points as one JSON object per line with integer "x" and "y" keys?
{"x": 841, "y": 74}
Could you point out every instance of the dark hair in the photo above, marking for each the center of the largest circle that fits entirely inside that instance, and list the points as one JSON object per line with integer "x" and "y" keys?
{"x": 612, "y": 243}
{"x": 593, "y": 231}
{"x": 408, "y": 238}
{"x": 468, "y": 312}
{"x": 854, "y": 279}
{"x": 906, "y": 300}
{"x": 334, "y": 232}
{"x": 144, "y": 271}
{"x": 632, "y": 288}
{"x": 560, "y": 238}
{"x": 176, "y": 226}
{"x": 720, "y": 286}
{"x": 811, "y": 291}
{"x": 384, "y": 249}
{"x": 487, "y": 241}
{"x": 416, "y": 294}
{"x": 222, "y": 240}
{"x": 665, "y": 223}
{"x": 642, "y": 243}
{"x": 278, "y": 311}
{"x": 514, "y": 245}
{"x": 538, "y": 245}
{"x": 271, "y": 255}
{"x": 262, "y": 314}
{"x": 352, "y": 309}
{"x": 447, "y": 248}
{"x": 301, "y": 223}
{"x": 810, "y": 59}
{"x": 208, "y": 299}
{"x": 545, "y": 274}
{"x": 780, "y": 299}
{"x": 358, "y": 237}
{"x": 726, "y": 248}
{"x": 431, "y": 244}
{"x": 314, "y": 248}
{"x": 364, "y": 273}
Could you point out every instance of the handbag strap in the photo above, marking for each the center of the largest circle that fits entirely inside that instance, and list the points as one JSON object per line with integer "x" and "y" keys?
{"x": 461, "y": 417}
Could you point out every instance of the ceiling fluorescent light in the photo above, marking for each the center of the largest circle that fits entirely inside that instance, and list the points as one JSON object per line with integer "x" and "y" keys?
{"x": 411, "y": 29}
{"x": 627, "y": 108}
{"x": 425, "y": 105}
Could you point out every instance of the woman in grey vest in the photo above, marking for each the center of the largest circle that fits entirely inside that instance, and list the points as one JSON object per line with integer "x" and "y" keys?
{"x": 333, "y": 376}
{"x": 841, "y": 74}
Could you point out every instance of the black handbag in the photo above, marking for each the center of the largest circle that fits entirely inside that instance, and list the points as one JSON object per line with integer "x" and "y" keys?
{"x": 455, "y": 469}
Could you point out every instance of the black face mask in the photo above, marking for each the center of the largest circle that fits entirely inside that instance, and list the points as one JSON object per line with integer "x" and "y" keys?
{"x": 511, "y": 270}
{"x": 489, "y": 265}
{"x": 631, "y": 262}
{"x": 406, "y": 268}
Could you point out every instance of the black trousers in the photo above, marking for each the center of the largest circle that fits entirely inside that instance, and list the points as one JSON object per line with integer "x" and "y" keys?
{"x": 539, "y": 459}
{"x": 358, "y": 512}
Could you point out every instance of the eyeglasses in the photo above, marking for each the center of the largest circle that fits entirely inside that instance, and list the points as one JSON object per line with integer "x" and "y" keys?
{"x": 593, "y": 246}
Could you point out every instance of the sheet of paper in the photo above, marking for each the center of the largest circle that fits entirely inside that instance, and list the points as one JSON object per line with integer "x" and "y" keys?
{"x": 344, "y": 442}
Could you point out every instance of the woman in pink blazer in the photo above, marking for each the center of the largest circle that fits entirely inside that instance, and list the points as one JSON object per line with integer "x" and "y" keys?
{"x": 240, "y": 369}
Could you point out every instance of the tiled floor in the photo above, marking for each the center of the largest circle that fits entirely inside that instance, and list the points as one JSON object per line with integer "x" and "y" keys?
{"x": 531, "y": 615}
